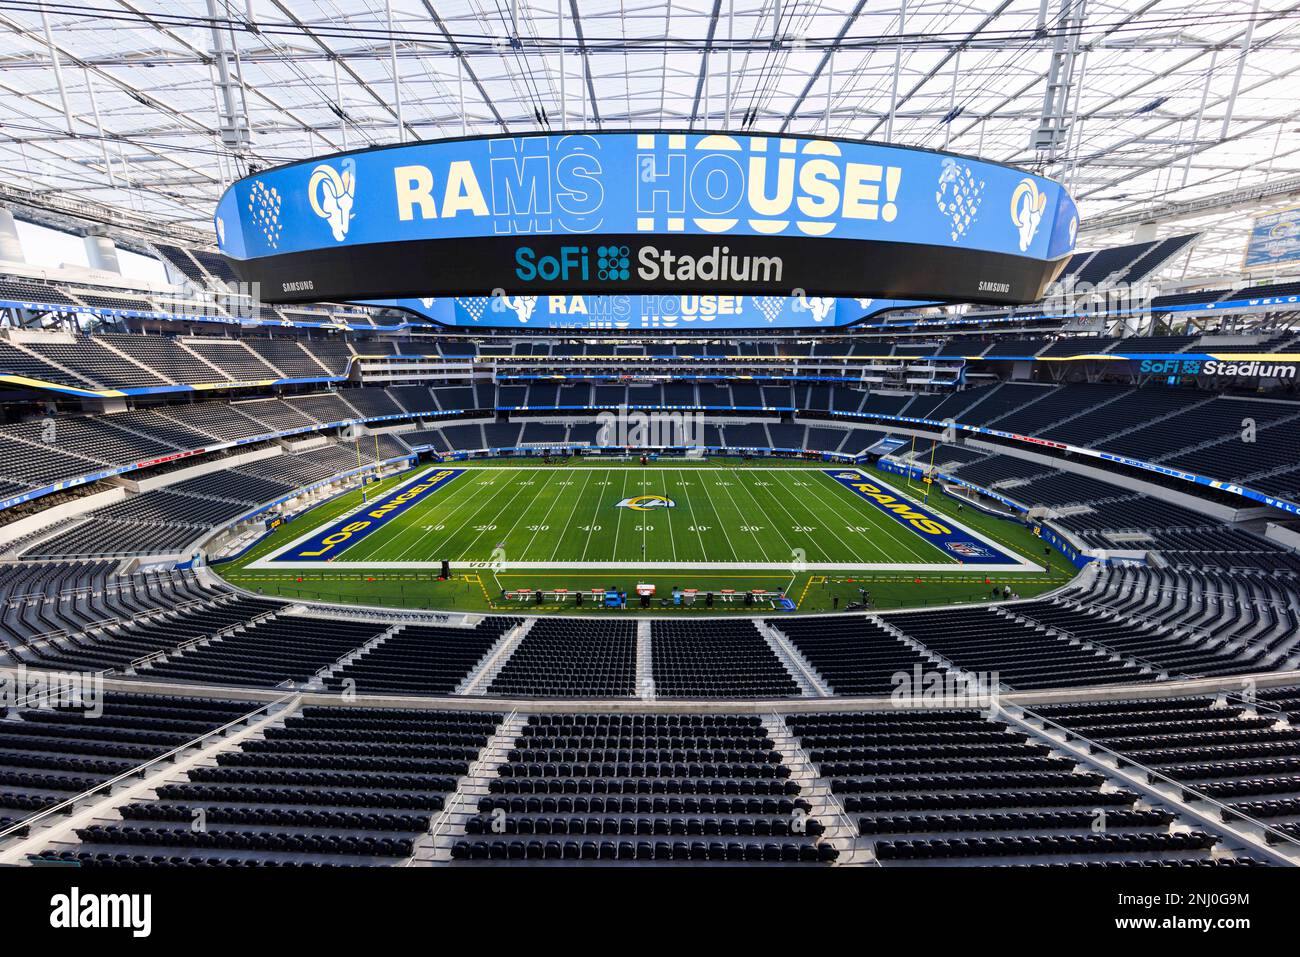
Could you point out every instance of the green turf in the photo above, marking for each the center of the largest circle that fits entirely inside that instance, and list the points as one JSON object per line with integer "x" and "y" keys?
{"x": 542, "y": 515}
{"x": 480, "y": 589}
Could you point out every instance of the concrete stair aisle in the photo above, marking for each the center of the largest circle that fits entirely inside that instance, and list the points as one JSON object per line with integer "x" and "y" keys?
{"x": 645, "y": 676}
{"x": 480, "y": 679}
{"x": 317, "y": 681}
{"x": 841, "y": 830}
{"x": 448, "y": 826}
{"x": 811, "y": 683}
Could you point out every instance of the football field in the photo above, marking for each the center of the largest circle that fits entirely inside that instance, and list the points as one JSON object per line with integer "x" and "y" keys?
{"x": 686, "y": 516}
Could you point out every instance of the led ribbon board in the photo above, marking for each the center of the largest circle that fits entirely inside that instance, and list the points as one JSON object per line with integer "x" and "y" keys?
{"x": 665, "y": 311}
{"x": 647, "y": 213}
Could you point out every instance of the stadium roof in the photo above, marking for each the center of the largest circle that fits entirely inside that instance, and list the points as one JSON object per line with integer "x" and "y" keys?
{"x": 1139, "y": 105}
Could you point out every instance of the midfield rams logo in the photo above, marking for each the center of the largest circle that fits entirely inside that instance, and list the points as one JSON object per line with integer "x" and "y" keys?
{"x": 644, "y": 503}
{"x": 1027, "y": 206}
{"x": 968, "y": 550}
{"x": 332, "y": 195}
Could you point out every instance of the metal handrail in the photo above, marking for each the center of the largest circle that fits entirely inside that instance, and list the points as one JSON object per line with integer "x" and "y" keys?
{"x": 1122, "y": 760}
{"x": 833, "y": 801}
{"x": 444, "y": 818}
{"x": 191, "y": 642}
{"x": 1157, "y": 669}
{"x": 137, "y": 771}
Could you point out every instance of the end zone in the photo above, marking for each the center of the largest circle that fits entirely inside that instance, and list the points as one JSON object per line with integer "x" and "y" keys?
{"x": 326, "y": 543}
{"x": 943, "y": 532}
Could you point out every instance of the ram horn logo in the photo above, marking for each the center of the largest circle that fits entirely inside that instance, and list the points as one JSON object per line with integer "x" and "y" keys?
{"x": 1028, "y": 204}
{"x": 644, "y": 503}
{"x": 332, "y": 194}
{"x": 521, "y": 306}
{"x": 819, "y": 306}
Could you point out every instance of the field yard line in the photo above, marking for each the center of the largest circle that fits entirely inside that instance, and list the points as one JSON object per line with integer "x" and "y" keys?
{"x": 461, "y": 495}
{"x": 889, "y": 526}
{"x": 780, "y": 569}
{"x": 662, "y": 468}
{"x": 523, "y": 513}
{"x": 739, "y": 511}
{"x": 618, "y": 526}
{"x": 717, "y": 517}
{"x": 591, "y": 525}
{"x": 423, "y": 534}
{"x": 672, "y": 541}
{"x": 644, "y": 521}
{"x": 446, "y": 540}
{"x": 574, "y": 511}
{"x": 780, "y": 505}
{"x": 749, "y": 492}
{"x": 820, "y": 517}
{"x": 494, "y": 518}
{"x": 821, "y": 521}
{"x": 875, "y": 520}
{"x": 695, "y": 523}
{"x": 550, "y": 508}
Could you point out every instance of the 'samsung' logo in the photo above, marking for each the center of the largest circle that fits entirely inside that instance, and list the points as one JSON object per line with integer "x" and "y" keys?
{"x": 75, "y": 910}
{"x": 1028, "y": 203}
{"x": 332, "y": 194}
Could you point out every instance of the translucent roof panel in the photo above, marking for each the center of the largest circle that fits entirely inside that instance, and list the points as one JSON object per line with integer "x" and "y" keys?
{"x": 1148, "y": 109}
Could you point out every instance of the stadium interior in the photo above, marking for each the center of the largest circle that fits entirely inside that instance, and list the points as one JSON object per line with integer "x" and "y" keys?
{"x": 485, "y": 685}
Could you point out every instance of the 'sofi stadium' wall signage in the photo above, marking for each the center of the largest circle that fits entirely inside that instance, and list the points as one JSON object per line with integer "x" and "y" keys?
{"x": 647, "y": 213}
{"x": 662, "y": 311}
